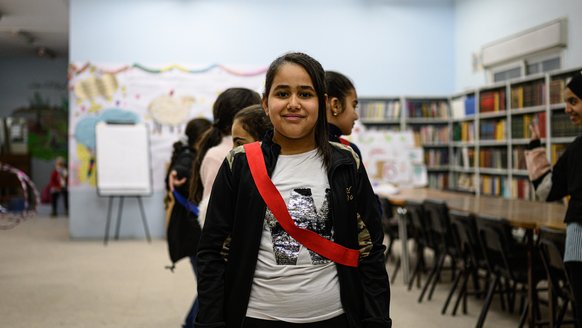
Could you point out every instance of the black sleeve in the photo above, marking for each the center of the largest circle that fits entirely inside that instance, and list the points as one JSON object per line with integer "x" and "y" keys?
{"x": 533, "y": 144}
{"x": 373, "y": 275}
{"x": 560, "y": 177}
{"x": 183, "y": 167}
{"x": 211, "y": 263}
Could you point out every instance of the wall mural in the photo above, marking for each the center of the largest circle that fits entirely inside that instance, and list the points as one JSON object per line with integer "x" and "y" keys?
{"x": 164, "y": 99}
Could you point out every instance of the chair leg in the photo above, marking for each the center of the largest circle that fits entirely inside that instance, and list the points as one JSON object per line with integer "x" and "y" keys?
{"x": 488, "y": 299}
{"x": 523, "y": 315}
{"x": 462, "y": 291}
{"x": 437, "y": 278}
{"x": 452, "y": 291}
{"x": 562, "y": 313}
{"x": 431, "y": 276}
{"x": 415, "y": 275}
{"x": 396, "y": 268}
{"x": 389, "y": 249}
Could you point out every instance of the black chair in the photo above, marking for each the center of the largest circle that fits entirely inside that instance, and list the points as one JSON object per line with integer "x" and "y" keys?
{"x": 551, "y": 246}
{"x": 473, "y": 261}
{"x": 508, "y": 265}
{"x": 420, "y": 234}
{"x": 444, "y": 243}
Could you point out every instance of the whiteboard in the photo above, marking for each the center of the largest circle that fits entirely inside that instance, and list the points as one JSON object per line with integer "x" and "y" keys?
{"x": 123, "y": 159}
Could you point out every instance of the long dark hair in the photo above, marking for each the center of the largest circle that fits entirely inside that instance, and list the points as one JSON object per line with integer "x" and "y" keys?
{"x": 254, "y": 120}
{"x": 338, "y": 86}
{"x": 228, "y": 103}
{"x": 317, "y": 74}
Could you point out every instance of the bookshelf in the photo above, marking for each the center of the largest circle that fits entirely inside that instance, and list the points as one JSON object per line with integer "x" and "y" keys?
{"x": 463, "y": 157}
{"x": 429, "y": 120}
{"x": 385, "y": 113}
{"x": 474, "y": 141}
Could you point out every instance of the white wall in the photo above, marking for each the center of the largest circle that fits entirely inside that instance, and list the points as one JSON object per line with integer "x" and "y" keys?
{"x": 478, "y": 22}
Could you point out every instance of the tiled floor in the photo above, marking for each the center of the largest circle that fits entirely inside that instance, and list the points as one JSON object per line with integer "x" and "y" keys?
{"x": 49, "y": 280}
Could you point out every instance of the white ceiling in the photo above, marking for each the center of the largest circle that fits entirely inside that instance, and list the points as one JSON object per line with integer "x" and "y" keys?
{"x": 26, "y": 25}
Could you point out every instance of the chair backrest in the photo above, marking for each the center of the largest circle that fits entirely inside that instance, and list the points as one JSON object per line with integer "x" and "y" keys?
{"x": 389, "y": 223}
{"x": 551, "y": 245}
{"x": 440, "y": 223}
{"x": 501, "y": 254}
{"x": 420, "y": 225}
{"x": 465, "y": 228}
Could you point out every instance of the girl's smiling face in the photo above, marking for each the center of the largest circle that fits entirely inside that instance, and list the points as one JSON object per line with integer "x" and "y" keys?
{"x": 292, "y": 105}
{"x": 573, "y": 107}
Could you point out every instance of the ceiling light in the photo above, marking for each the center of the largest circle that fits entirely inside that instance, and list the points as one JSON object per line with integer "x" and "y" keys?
{"x": 45, "y": 52}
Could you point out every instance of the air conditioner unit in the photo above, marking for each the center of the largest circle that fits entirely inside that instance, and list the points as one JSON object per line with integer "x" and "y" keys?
{"x": 540, "y": 38}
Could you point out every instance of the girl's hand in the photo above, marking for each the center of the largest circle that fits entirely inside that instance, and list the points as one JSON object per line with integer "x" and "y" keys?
{"x": 173, "y": 180}
{"x": 535, "y": 130}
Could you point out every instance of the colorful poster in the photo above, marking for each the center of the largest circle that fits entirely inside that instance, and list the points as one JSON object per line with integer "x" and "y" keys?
{"x": 163, "y": 99}
{"x": 390, "y": 157}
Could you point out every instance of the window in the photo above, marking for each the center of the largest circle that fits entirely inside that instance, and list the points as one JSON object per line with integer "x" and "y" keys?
{"x": 526, "y": 66}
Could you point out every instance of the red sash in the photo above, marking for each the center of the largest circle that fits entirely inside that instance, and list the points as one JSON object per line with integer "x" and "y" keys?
{"x": 344, "y": 142}
{"x": 276, "y": 204}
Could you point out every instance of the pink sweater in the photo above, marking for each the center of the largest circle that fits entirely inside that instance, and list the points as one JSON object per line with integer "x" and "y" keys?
{"x": 212, "y": 162}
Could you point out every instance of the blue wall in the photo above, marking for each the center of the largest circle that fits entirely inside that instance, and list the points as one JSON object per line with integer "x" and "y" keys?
{"x": 386, "y": 47}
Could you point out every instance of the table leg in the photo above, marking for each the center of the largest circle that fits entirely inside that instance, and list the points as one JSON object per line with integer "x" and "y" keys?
{"x": 530, "y": 279}
{"x": 403, "y": 235}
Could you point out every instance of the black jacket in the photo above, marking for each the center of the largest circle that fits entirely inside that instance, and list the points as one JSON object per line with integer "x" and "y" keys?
{"x": 566, "y": 179}
{"x": 229, "y": 245}
{"x": 335, "y": 134}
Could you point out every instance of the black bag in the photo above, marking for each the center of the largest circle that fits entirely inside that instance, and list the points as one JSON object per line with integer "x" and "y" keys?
{"x": 183, "y": 233}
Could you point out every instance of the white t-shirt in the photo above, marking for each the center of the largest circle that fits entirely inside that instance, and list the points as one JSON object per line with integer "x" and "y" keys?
{"x": 292, "y": 283}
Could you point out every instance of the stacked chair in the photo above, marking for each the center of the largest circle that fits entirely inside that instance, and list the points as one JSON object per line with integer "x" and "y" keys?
{"x": 507, "y": 263}
{"x": 473, "y": 261}
{"x": 551, "y": 246}
{"x": 444, "y": 243}
{"x": 420, "y": 232}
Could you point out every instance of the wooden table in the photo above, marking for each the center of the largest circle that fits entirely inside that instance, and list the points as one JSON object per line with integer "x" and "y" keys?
{"x": 520, "y": 214}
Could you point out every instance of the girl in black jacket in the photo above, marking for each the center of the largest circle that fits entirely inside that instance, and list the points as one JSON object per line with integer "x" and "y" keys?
{"x": 252, "y": 272}
{"x": 183, "y": 229}
{"x": 564, "y": 179}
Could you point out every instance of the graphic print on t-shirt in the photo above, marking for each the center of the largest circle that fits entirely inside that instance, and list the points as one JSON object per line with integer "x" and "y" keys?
{"x": 305, "y": 215}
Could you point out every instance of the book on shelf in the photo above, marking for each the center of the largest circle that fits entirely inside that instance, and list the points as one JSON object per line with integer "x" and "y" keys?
{"x": 528, "y": 95}
{"x": 556, "y": 150}
{"x": 438, "y": 109}
{"x": 521, "y": 189}
{"x": 436, "y": 157}
{"x": 458, "y": 107}
{"x": 463, "y": 182}
{"x": 431, "y": 134}
{"x": 438, "y": 180}
{"x": 492, "y": 130}
{"x": 464, "y": 131}
{"x": 493, "y": 185}
{"x": 520, "y": 125}
{"x": 464, "y": 157}
{"x": 470, "y": 105}
{"x": 557, "y": 91}
{"x": 492, "y": 101}
{"x": 493, "y": 158}
{"x": 380, "y": 109}
{"x": 562, "y": 126}
{"x": 518, "y": 158}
